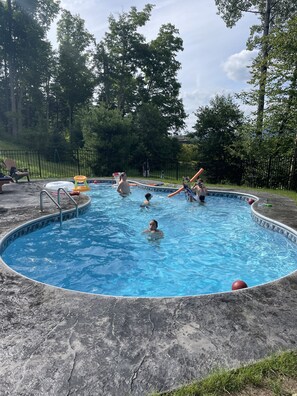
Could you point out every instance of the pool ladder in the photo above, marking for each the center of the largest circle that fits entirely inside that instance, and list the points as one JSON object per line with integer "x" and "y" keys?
{"x": 57, "y": 202}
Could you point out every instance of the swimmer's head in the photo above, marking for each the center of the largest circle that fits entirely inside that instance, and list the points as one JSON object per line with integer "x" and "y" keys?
{"x": 154, "y": 224}
{"x": 148, "y": 196}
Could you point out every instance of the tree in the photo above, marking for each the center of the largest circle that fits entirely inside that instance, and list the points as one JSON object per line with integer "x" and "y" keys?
{"x": 23, "y": 48}
{"x": 4, "y": 85}
{"x": 282, "y": 79}
{"x": 271, "y": 14}
{"x": 132, "y": 72}
{"x": 159, "y": 84}
{"x": 75, "y": 76}
{"x": 281, "y": 92}
{"x": 217, "y": 131}
{"x": 106, "y": 131}
{"x": 153, "y": 142}
{"x": 119, "y": 57}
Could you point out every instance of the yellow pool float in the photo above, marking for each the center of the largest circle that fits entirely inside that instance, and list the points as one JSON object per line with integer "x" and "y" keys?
{"x": 80, "y": 183}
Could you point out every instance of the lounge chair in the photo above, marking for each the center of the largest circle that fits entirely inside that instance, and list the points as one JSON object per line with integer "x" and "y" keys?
{"x": 4, "y": 180}
{"x": 14, "y": 172}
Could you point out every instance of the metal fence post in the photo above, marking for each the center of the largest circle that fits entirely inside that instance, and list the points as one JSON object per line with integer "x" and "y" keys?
{"x": 39, "y": 164}
{"x": 78, "y": 163}
{"x": 268, "y": 172}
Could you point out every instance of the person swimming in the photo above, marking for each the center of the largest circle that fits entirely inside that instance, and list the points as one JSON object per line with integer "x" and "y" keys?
{"x": 200, "y": 190}
{"x": 146, "y": 202}
{"x": 123, "y": 187}
{"x": 153, "y": 231}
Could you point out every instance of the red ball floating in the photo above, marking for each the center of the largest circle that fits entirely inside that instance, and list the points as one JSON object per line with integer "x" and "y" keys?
{"x": 239, "y": 284}
{"x": 251, "y": 201}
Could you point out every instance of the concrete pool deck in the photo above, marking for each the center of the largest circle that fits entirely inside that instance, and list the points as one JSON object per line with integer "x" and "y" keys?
{"x": 58, "y": 342}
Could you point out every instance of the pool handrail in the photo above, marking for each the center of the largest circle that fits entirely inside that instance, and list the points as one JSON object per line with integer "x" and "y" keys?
{"x": 42, "y": 192}
{"x": 69, "y": 196}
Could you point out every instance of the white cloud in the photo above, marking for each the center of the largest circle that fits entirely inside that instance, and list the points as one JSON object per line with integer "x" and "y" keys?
{"x": 237, "y": 65}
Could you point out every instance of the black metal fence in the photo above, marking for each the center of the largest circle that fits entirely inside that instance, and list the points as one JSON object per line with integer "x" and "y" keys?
{"x": 273, "y": 172}
{"x": 56, "y": 164}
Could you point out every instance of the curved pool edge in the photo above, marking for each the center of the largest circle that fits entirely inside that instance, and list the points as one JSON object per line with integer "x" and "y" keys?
{"x": 58, "y": 342}
{"x": 43, "y": 221}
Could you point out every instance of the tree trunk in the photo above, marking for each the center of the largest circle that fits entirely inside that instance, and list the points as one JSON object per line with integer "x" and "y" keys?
{"x": 47, "y": 90}
{"x": 12, "y": 73}
{"x": 290, "y": 102}
{"x": 70, "y": 116}
{"x": 292, "y": 174}
{"x": 264, "y": 68}
{"x": 7, "y": 94}
{"x": 20, "y": 111}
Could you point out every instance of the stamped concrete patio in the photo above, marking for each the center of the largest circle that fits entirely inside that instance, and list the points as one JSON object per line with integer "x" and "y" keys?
{"x": 58, "y": 342}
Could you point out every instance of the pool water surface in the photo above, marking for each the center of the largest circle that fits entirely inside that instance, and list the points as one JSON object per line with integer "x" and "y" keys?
{"x": 205, "y": 247}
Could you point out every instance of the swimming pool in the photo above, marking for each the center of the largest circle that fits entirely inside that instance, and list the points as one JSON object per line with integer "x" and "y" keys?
{"x": 205, "y": 248}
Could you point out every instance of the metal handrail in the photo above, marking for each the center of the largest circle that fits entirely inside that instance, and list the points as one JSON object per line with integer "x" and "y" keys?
{"x": 69, "y": 196}
{"x": 57, "y": 203}
{"x": 42, "y": 192}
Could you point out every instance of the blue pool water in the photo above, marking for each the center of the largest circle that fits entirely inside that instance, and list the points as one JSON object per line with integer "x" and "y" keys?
{"x": 205, "y": 248}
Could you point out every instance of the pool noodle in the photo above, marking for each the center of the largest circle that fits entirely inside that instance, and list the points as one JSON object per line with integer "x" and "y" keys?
{"x": 176, "y": 192}
{"x": 197, "y": 174}
{"x": 191, "y": 180}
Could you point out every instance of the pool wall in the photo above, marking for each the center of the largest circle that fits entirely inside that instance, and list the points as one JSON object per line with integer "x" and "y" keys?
{"x": 274, "y": 225}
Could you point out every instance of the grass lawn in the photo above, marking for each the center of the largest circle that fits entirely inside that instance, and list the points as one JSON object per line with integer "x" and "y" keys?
{"x": 276, "y": 375}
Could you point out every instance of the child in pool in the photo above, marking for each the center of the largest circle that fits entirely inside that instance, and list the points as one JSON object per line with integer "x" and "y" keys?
{"x": 146, "y": 202}
{"x": 200, "y": 190}
{"x": 153, "y": 231}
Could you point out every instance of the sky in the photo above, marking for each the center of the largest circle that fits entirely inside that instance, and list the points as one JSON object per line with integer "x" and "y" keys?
{"x": 214, "y": 60}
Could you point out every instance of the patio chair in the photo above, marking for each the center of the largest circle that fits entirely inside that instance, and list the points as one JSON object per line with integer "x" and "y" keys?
{"x": 14, "y": 172}
{"x": 4, "y": 180}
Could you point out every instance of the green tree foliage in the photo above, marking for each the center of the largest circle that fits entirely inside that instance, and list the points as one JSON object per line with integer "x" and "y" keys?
{"x": 282, "y": 80}
{"x": 158, "y": 79}
{"x": 189, "y": 152}
{"x": 271, "y": 14}
{"x": 42, "y": 11}
{"x": 4, "y": 85}
{"x": 138, "y": 79}
{"x": 153, "y": 142}
{"x": 109, "y": 133}
{"x": 132, "y": 72}
{"x": 279, "y": 122}
{"x": 118, "y": 59}
{"x": 75, "y": 78}
{"x": 47, "y": 97}
{"x": 217, "y": 131}
{"x": 24, "y": 54}
{"x": 281, "y": 92}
